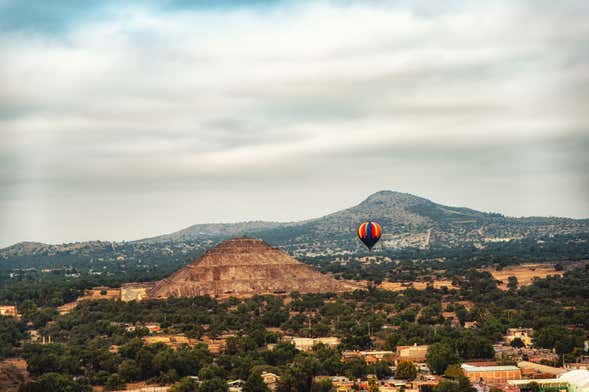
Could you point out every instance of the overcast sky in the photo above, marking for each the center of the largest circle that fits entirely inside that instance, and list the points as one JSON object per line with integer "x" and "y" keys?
{"x": 125, "y": 121}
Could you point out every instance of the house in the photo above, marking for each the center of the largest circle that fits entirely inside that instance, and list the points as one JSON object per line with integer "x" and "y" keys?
{"x": 413, "y": 353}
{"x": 524, "y": 334}
{"x": 9, "y": 311}
{"x": 235, "y": 385}
{"x": 306, "y": 344}
{"x": 491, "y": 374}
{"x": 153, "y": 327}
{"x": 271, "y": 380}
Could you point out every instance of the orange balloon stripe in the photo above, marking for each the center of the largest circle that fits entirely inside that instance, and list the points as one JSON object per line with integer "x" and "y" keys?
{"x": 376, "y": 229}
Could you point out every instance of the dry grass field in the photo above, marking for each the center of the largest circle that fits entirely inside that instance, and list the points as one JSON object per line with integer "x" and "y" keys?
{"x": 400, "y": 286}
{"x": 169, "y": 340}
{"x": 525, "y": 273}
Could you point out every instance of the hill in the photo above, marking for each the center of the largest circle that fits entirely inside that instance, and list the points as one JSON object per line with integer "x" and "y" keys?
{"x": 408, "y": 221}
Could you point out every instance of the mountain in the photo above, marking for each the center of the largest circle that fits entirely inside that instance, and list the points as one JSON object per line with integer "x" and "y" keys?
{"x": 408, "y": 221}
{"x": 245, "y": 266}
{"x": 214, "y": 230}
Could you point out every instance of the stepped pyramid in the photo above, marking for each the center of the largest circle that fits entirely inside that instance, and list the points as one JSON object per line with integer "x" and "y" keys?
{"x": 245, "y": 266}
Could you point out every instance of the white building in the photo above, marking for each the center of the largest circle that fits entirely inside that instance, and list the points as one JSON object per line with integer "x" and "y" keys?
{"x": 577, "y": 379}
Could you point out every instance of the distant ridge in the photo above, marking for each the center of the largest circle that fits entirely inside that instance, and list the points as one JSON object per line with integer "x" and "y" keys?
{"x": 408, "y": 221}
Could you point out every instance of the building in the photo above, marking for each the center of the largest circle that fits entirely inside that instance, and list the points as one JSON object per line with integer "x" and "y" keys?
{"x": 545, "y": 384}
{"x": 578, "y": 380}
{"x": 271, "y": 380}
{"x": 236, "y": 385}
{"x": 413, "y": 353}
{"x": 491, "y": 374}
{"x": 8, "y": 311}
{"x": 306, "y": 344}
{"x": 524, "y": 334}
{"x": 533, "y": 370}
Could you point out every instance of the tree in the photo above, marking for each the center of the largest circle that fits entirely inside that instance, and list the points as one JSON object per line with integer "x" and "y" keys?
{"x": 453, "y": 371}
{"x": 323, "y": 385}
{"x": 114, "y": 382}
{"x": 382, "y": 370}
{"x": 215, "y": 384}
{"x": 185, "y": 385}
{"x": 406, "y": 371}
{"x": 372, "y": 386}
{"x": 255, "y": 383}
{"x": 299, "y": 376}
{"x": 512, "y": 282}
{"x": 446, "y": 386}
{"x": 439, "y": 356}
{"x": 464, "y": 384}
{"x": 129, "y": 370}
{"x": 532, "y": 387}
{"x": 355, "y": 368}
{"x": 53, "y": 382}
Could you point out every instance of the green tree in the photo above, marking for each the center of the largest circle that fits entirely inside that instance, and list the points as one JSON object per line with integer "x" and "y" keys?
{"x": 255, "y": 383}
{"x": 439, "y": 356}
{"x": 446, "y": 386}
{"x": 323, "y": 385}
{"x": 382, "y": 370}
{"x": 129, "y": 370}
{"x": 464, "y": 384}
{"x": 185, "y": 385}
{"x": 215, "y": 384}
{"x": 114, "y": 382}
{"x": 512, "y": 282}
{"x": 406, "y": 371}
{"x": 373, "y": 386}
{"x": 453, "y": 371}
{"x": 355, "y": 368}
{"x": 532, "y": 386}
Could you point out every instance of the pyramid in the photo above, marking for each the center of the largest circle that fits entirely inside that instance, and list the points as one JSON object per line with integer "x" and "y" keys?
{"x": 245, "y": 266}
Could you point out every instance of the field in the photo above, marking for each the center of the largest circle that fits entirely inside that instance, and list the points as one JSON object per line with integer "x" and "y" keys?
{"x": 525, "y": 273}
{"x": 400, "y": 286}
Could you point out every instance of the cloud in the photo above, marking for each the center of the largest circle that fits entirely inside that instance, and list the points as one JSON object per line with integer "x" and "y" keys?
{"x": 114, "y": 101}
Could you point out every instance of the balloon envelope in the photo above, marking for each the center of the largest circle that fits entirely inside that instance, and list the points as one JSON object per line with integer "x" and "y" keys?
{"x": 369, "y": 233}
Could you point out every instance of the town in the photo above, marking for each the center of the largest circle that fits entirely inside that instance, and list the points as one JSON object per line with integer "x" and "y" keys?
{"x": 246, "y": 316}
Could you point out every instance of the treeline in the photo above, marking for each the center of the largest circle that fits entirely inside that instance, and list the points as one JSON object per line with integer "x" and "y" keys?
{"x": 412, "y": 264}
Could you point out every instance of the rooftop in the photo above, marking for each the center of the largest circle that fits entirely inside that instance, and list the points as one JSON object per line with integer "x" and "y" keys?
{"x": 471, "y": 368}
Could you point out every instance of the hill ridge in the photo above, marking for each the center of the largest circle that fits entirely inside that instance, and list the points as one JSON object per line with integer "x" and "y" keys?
{"x": 408, "y": 221}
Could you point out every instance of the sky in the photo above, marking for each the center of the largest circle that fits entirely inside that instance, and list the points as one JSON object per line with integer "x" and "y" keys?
{"x": 123, "y": 120}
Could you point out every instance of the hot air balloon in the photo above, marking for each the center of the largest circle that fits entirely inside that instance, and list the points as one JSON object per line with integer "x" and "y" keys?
{"x": 369, "y": 233}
